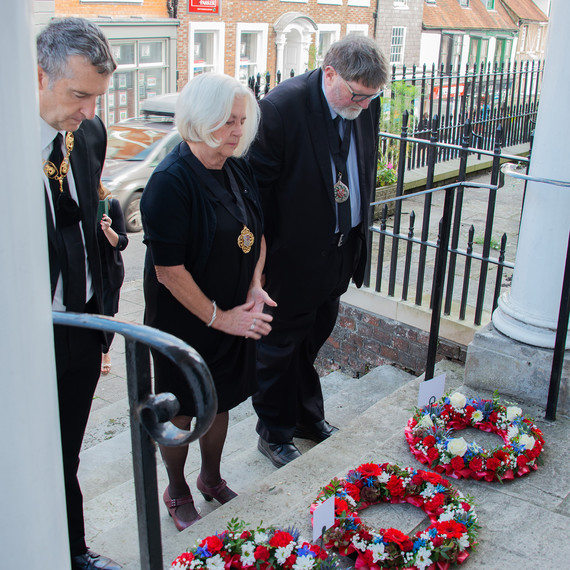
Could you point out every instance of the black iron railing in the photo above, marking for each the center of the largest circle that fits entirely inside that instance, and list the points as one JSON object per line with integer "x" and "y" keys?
{"x": 150, "y": 414}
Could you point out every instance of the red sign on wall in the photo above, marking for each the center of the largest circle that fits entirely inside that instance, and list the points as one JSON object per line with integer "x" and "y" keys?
{"x": 202, "y": 6}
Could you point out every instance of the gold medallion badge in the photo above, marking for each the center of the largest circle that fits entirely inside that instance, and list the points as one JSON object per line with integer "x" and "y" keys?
{"x": 245, "y": 239}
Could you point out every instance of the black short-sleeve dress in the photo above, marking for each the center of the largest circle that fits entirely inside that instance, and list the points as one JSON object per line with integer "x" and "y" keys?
{"x": 191, "y": 216}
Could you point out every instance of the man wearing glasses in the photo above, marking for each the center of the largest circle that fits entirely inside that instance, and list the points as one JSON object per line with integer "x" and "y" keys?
{"x": 315, "y": 162}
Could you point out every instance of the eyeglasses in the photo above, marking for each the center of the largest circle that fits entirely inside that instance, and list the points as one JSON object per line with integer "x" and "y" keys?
{"x": 359, "y": 97}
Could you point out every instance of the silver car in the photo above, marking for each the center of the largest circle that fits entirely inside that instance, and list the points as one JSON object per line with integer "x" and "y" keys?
{"x": 134, "y": 149}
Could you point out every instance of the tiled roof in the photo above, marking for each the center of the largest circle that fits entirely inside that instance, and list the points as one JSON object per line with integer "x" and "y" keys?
{"x": 525, "y": 10}
{"x": 448, "y": 14}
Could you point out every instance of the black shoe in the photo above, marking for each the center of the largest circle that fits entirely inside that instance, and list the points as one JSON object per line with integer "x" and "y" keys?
{"x": 92, "y": 561}
{"x": 279, "y": 453}
{"x": 317, "y": 432}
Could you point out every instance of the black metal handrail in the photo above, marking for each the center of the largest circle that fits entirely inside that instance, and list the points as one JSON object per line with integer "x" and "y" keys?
{"x": 150, "y": 414}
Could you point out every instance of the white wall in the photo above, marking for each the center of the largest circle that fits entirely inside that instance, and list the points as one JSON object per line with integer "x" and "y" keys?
{"x": 429, "y": 48}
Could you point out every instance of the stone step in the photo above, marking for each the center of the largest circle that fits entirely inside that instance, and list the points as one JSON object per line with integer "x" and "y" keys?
{"x": 106, "y": 467}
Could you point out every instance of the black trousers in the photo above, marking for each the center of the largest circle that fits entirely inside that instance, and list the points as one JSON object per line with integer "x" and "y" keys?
{"x": 78, "y": 365}
{"x": 289, "y": 387}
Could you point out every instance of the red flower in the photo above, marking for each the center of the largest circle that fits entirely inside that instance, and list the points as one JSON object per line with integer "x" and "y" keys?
{"x": 457, "y": 463}
{"x": 432, "y": 454}
{"x": 280, "y": 538}
{"x": 521, "y": 461}
{"x": 245, "y": 534}
{"x": 493, "y": 463}
{"x": 433, "y": 478}
{"x": 501, "y": 455}
{"x": 353, "y": 490}
{"x": 369, "y": 470}
{"x": 452, "y": 529}
{"x": 184, "y": 558}
{"x": 290, "y": 562}
{"x": 429, "y": 441}
{"x": 261, "y": 553}
{"x": 395, "y": 486}
{"x": 435, "y": 502}
{"x": 341, "y": 506}
{"x": 493, "y": 417}
{"x": 214, "y": 544}
{"x": 469, "y": 411}
{"x": 476, "y": 464}
{"x": 466, "y": 506}
{"x": 401, "y": 539}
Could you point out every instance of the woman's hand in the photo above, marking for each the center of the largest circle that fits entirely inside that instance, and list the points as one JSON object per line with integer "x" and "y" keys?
{"x": 260, "y": 298}
{"x": 244, "y": 321}
{"x": 110, "y": 234}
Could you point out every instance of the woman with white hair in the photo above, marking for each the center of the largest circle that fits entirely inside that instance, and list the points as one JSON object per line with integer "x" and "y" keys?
{"x": 202, "y": 221}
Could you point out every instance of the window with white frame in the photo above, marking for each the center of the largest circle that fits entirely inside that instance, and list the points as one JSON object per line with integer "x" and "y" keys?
{"x": 400, "y": 3}
{"x": 397, "y": 43}
{"x": 326, "y": 35}
{"x": 251, "y": 57}
{"x": 538, "y": 38}
{"x": 206, "y": 48}
{"x": 523, "y": 38}
{"x": 361, "y": 3}
{"x": 490, "y": 4}
{"x": 358, "y": 29}
{"x": 334, "y": 2}
{"x": 140, "y": 74}
{"x": 464, "y": 3}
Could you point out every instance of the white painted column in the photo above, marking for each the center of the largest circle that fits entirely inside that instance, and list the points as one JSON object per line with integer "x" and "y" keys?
{"x": 280, "y": 47}
{"x": 529, "y": 312}
{"x": 33, "y": 525}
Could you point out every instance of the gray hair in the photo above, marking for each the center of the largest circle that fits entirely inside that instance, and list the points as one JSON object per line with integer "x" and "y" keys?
{"x": 205, "y": 104}
{"x": 358, "y": 58}
{"x": 65, "y": 37}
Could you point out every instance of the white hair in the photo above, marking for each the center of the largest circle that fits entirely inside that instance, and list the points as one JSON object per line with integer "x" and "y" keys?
{"x": 205, "y": 105}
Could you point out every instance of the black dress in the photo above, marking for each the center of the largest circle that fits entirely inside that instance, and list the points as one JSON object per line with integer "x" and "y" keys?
{"x": 207, "y": 246}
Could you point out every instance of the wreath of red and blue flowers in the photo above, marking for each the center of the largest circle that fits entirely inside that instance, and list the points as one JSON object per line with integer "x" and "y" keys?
{"x": 429, "y": 434}
{"x": 453, "y": 522}
{"x": 255, "y": 549}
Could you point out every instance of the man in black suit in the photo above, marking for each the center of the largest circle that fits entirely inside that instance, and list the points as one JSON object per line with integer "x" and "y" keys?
{"x": 315, "y": 161}
{"x": 74, "y": 68}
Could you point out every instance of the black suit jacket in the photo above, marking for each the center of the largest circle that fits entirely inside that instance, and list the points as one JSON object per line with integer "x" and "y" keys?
{"x": 292, "y": 164}
{"x": 87, "y": 160}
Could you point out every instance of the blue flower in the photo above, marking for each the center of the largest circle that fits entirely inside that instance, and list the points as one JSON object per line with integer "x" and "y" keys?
{"x": 419, "y": 543}
{"x": 203, "y": 552}
{"x": 305, "y": 551}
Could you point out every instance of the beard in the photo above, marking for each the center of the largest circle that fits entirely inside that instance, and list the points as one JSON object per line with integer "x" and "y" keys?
{"x": 349, "y": 113}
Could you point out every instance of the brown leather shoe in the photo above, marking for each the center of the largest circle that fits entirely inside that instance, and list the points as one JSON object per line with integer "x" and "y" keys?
{"x": 221, "y": 492}
{"x": 93, "y": 561}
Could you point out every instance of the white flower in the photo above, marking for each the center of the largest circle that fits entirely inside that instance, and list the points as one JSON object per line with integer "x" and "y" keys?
{"x": 457, "y": 400}
{"x": 477, "y": 416}
{"x": 457, "y": 446}
{"x": 383, "y": 477}
{"x": 512, "y": 432}
{"x": 215, "y": 563}
{"x": 304, "y": 563}
{"x": 426, "y": 421}
{"x": 378, "y": 552}
{"x": 527, "y": 441}
{"x": 422, "y": 558}
{"x": 429, "y": 491}
{"x": 513, "y": 412}
{"x": 260, "y": 538}
{"x": 283, "y": 552}
{"x": 247, "y": 549}
{"x": 464, "y": 541}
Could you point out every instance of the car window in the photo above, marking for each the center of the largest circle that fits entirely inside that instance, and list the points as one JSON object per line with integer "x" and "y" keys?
{"x": 170, "y": 144}
{"x": 125, "y": 142}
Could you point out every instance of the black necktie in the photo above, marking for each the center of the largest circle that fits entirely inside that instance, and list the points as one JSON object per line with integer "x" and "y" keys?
{"x": 344, "y": 212}
{"x": 70, "y": 244}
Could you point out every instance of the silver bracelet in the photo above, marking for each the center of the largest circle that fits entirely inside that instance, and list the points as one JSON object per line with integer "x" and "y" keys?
{"x": 213, "y": 314}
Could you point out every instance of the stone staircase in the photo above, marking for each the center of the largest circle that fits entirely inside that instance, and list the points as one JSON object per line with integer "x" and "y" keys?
{"x": 371, "y": 413}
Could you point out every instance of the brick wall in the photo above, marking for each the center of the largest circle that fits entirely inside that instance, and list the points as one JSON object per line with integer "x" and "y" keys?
{"x": 264, "y": 11}
{"x": 362, "y": 340}
{"x": 154, "y": 8}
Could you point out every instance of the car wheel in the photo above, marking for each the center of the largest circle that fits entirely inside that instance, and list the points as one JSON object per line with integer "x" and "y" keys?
{"x": 133, "y": 221}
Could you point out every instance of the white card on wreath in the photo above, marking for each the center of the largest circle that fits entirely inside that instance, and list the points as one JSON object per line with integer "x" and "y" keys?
{"x": 434, "y": 388}
{"x": 323, "y": 516}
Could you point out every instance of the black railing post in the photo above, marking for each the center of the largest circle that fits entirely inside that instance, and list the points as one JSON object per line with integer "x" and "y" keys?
{"x": 144, "y": 459}
{"x": 560, "y": 341}
{"x": 489, "y": 226}
{"x": 439, "y": 277}
{"x": 398, "y": 205}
